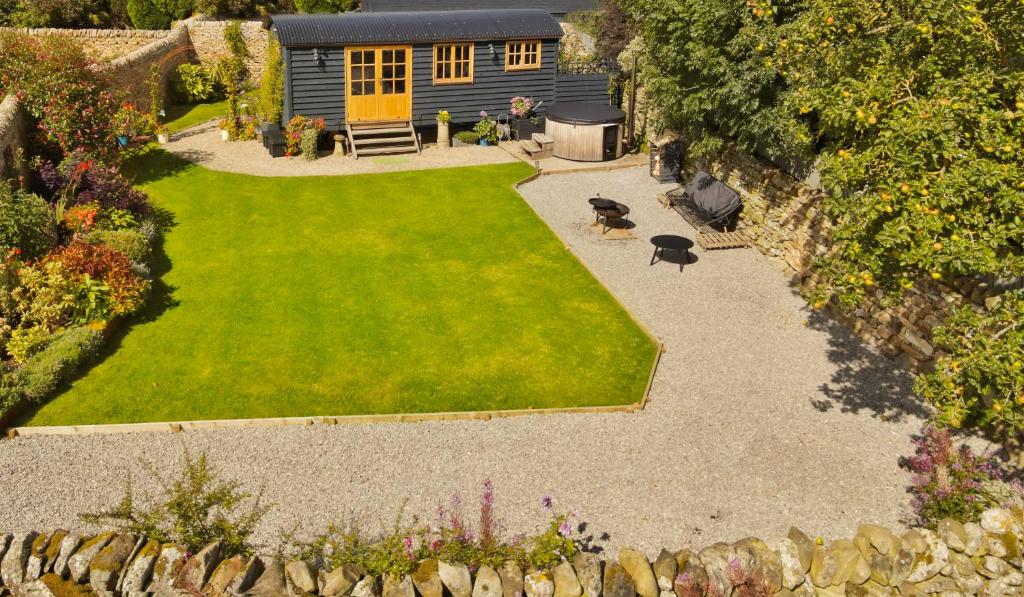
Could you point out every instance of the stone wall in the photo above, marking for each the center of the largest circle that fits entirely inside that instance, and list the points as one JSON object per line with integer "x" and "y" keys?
{"x": 956, "y": 559}
{"x": 130, "y": 73}
{"x": 783, "y": 217}
{"x": 107, "y": 44}
{"x": 14, "y": 131}
{"x": 208, "y": 41}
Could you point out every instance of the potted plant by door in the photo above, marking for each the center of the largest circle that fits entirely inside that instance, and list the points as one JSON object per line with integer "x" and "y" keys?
{"x": 526, "y": 120}
{"x": 487, "y": 129}
{"x": 225, "y": 134}
{"x": 443, "y": 140}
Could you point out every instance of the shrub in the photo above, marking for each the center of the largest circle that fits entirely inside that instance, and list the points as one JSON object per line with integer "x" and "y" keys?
{"x": 129, "y": 121}
{"x": 470, "y": 137}
{"x": 293, "y": 132}
{"x": 195, "y": 510}
{"x": 197, "y": 82}
{"x": 979, "y": 378}
{"x": 131, "y": 243}
{"x": 26, "y": 222}
{"x": 126, "y": 290}
{"x": 82, "y": 181}
{"x": 49, "y": 368}
{"x": 24, "y": 342}
{"x": 147, "y": 14}
{"x": 115, "y": 218}
{"x": 271, "y": 103}
{"x": 326, "y": 5}
{"x": 308, "y": 142}
{"x": 951, "y": 482}
{"x": 51, "y": 295}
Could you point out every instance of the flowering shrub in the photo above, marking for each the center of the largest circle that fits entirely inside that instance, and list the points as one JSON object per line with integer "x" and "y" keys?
{"x": 81, "y": 180}
{"x": 443, "y": 116}
{"x": 952, "y": 482}
{"x": 126, "y": 290}
{"x": 129, "y": 122}
{"x": 81, "y": 218}
{"x": 293, "y": 132}
{"x": 521, "y": 106}
{"x": 451, "y": 538}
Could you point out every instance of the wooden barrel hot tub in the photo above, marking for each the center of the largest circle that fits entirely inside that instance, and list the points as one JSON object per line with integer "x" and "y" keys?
{"x": 585, "y": 132}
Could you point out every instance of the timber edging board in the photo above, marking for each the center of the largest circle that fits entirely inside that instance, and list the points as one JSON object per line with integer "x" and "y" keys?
{"x": 482, "y": 415}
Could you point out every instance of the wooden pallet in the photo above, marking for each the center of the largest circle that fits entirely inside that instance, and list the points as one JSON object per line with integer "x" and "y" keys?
{"x": 722, "y": 240}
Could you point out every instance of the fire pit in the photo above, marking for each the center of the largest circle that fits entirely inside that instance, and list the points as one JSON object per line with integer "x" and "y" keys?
{"x": 612, "y": 212}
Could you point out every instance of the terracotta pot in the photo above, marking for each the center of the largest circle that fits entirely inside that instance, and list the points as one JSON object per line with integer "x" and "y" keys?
{"x": 443, "y": 139}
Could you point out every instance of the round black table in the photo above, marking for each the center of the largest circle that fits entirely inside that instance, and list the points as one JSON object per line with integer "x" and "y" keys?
{"x": 679, "y": 244}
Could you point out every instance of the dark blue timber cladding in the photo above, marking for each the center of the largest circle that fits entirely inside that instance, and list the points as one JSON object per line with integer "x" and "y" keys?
{"x": 582, "y": 88}
{"x": 492, "y": 89}
{"x": 316, "y": 88}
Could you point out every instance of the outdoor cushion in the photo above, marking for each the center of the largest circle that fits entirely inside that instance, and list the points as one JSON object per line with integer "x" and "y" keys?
{"x": 712, "y": 196}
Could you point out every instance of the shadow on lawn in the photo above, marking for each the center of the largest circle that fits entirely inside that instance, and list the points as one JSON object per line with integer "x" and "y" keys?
{"x": 864, "y": 379}
{"x": 154, "y": 165}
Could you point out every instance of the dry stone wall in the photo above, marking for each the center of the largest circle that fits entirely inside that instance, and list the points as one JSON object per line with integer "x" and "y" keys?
{"x": 107, "y": 44}
{"x": 782, "y": 215}
{"x": 956, "y": 559}
{"x": 207, "y": 37}
{"x": 14, "y": 131}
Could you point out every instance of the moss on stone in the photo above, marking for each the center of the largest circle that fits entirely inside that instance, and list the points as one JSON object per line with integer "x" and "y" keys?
{"x": 64, "y": 588}
{"x": 102, "y": 537}
{"x": 112, "y": 557}
{"x": 53, "y": 549}
{"x": 39, "y": 544}
{"x": 150, "y": 550}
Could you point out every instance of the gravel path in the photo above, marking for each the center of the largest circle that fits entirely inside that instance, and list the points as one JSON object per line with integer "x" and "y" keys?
{"x": 201, "y": 144}
{"x": 758, "y": 419}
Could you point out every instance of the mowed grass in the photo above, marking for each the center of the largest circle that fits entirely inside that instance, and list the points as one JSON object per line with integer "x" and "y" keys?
{"x": 428, "y": 291}
{"x": 180, "y": 117}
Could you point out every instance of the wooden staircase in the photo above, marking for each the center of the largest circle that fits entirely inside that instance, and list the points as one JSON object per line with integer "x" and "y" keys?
{"x": 378, "y": 138}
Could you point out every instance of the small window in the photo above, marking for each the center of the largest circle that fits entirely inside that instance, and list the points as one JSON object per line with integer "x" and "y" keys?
{"x": 522, "y": 55}
{"x": 453, "y": 63}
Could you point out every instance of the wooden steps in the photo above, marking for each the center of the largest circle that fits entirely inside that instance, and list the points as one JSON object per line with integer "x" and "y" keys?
{"x": 540, "y": 146}
{"x": 722, "y": 240}
{"x": 379, "y": 138}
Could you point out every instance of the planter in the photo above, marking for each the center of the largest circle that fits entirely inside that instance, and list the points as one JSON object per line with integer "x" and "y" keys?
{"x": 525, "y": 128}
{"x": 485, "y": 142}
{"x": 225, "y": 135}
{"x": 162, "y": 138}
{"x": 443, "y": 140}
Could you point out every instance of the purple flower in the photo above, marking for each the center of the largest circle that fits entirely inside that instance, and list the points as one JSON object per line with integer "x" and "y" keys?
{"x": 565, "y": 529}
{"x": 483, "y": 114}
{"x": 547, "y": 502}
{"x": 408, "y": 547}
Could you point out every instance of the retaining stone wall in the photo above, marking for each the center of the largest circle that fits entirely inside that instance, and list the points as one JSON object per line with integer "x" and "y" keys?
{"x": 14, "y": 131}
{"x": 783, "y": 217}
{"x": 130, "y": 73}
{"x": 208, "y": 41}
{"x": 956, "y": 559}
{"x": 106, "y": 43}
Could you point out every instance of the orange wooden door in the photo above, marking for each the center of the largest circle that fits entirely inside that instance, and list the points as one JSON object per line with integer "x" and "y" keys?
{"x": 379, "y": 86}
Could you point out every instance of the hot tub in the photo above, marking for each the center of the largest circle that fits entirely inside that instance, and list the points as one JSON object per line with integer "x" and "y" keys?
{"x": 585, "y": 132}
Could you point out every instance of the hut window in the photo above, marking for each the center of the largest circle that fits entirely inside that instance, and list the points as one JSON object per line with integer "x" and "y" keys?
{"x": 522, "y": 55}
{"x": 453, "y": 63}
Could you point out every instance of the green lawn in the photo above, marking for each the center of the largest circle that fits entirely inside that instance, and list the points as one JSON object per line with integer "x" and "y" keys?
{"x": 436, "y": 290}
{"x": 181, "y": 117}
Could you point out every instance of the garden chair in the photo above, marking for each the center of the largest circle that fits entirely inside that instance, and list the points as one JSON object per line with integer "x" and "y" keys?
{"x": 133, "y": 146}
{"x": 710, "y": 206}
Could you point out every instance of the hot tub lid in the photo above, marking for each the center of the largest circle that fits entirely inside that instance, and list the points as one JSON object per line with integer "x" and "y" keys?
{"x": 585, "y": 113}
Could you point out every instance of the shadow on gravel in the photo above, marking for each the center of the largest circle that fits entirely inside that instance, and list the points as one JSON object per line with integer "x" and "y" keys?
{"x": 864, "y": 380}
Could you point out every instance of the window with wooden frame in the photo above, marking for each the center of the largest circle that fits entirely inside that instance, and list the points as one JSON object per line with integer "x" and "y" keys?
{"x": 453, "y": 63}
{"x": 522, "y": 55}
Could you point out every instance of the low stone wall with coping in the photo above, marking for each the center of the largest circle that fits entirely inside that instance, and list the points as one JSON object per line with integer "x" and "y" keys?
{"x": 106, "y": 44}
{"x": 782, "y": 216}
{"x": 207, "y": 37}
{"x": 956, "y": 559}
{"x": 130, "y": 73}
{"x": 14, "y": 131}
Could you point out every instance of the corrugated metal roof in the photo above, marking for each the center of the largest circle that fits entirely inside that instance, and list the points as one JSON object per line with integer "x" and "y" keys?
{"x": 556, "y": 7}
{"x": 413, "y": 27}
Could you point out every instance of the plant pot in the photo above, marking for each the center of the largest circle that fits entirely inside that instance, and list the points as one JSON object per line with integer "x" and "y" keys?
{"x": 443, "y": 140}
{"x": 124, "y": 140}
{"x": 225, "y": 135}
{"x": 485, "y": 142}
{"x": 162, "y": 138}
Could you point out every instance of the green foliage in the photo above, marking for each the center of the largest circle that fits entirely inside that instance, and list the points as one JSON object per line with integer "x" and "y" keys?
{"x": 55, "y": 364}
{"x": 307, "y": 143}
{"x": 242, "y": 8}
{"x": 979, "y": 379}
{"x": 271, "y": 102}
{"x": 585, "y": 21}
{"x": 57, "y": 13}
{"x": 148, "y": 14}
{"x": 197, "y": 82}
{"x": 26, "y": 222}
{"x": 614, "y": 30}
{"x": 132, "y": 243}
{"x": 115, "y": 219}
{"x": 49, "y": 294}
{"x": 920, "y": 108}
{"x": 326, "y": 5}
{"x": 233, "y": 73}
{"x": 156, "y": 94}
{"x": 708, "y": 78}
{"x": 470, "y": 137}
{"x": 24, "y": 342}
{"x": 196, "y": 509}
{"x": 486, "y": 128}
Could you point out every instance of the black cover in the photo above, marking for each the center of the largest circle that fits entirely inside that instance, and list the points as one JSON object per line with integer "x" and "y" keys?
{"x": 584, "y": 113}
{"x": 312, "y": 30}
{"x": 712, "y": 196}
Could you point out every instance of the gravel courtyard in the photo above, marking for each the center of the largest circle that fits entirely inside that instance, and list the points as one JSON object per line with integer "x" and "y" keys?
{"x": 762, "y": 415}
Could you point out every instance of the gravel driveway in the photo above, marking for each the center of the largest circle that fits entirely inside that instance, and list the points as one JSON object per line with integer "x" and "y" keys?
{"x": 762, "y": 415}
